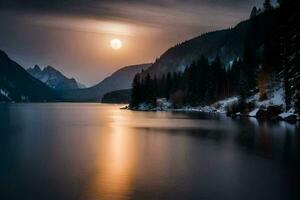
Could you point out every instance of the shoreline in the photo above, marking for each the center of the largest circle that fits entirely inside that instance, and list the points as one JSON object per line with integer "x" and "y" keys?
{"x": 282, "y": 117}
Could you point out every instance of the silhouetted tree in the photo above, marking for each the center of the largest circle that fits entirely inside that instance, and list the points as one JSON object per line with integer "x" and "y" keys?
{"x": 168, "y": 86}
{"x": 248, "y": 74}
{"x": 136, "y": 94}
{"x": 268, "y": 5}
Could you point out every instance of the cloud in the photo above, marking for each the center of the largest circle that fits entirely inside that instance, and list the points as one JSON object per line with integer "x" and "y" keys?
{"x": 154, "y": 14}
{"x": 103, "y": 7}
{"x": 74, "y": 34}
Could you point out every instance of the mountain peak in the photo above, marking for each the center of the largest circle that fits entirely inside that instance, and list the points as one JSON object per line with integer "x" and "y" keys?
{"x": 50, "y": 68}
{"x": 255, "y": 11}
{"x": 13, "y": 76}
{"x": 53, "y": 78}
{"x": 37, "y": 68}
{"x": 3, "y": 54}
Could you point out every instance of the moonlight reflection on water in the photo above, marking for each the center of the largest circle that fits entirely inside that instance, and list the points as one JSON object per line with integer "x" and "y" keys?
{"x": 94, "y": 151}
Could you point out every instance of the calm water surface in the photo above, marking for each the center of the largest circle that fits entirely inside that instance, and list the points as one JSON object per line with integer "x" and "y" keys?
{"x": 99, "y": 152}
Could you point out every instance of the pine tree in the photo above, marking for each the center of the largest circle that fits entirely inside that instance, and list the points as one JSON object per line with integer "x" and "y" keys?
{"x": 243, "y": 84}
{"x": 254, "y": 12}
{"x": 203, "y": 73}
{"x": 136, "y": 94}
{"x": 162, "y": 86}
{"x": 168, "y": 86}
{"x": 192, "y": 85}
{"x": 288, "y": 37}
{"x": 268, "y": 5}
{"x": 211, "y": 85}
{"x": 297, "y": 103}
{"x": 149, "y": 90}
{"x": 248, "y": 74}
{"x": 234, "y": 76}
{"x": 218, "y": 75}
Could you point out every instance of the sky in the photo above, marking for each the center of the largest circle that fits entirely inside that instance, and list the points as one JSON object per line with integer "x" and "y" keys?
{"x": 74, "y": 35}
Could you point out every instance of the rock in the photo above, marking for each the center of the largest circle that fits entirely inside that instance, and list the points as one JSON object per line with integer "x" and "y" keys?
{"x": 270, "y": 112}
{"x": 253, "y": 112}
{"x": 125, "y": 108}
{"x": 291, "y": 118}
{"x": 287, "y": 116}
{"x": 261, "y": 114}
{"x": 273, "y": 112}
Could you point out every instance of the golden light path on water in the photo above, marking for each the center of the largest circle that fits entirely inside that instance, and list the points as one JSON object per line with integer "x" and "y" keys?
{"x": 99, "y": 152}
{"x": 116, "y": 163}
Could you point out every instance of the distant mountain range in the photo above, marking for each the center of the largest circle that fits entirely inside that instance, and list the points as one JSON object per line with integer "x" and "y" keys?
{"x": 37, "y": 85}
{"x": 19, "y": 86}
{"x": 228, "y": 44}
{"x": 54, "y": 78}
{"x": 119, "y": 80}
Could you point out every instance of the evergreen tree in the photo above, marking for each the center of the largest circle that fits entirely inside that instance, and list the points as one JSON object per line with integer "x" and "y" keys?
{"x": 136, "y": 94}
{"x": 248, "y": 72}
{"x": 211, "y": 86}
{"x": 234, "y": 76}
{"x": 162, "y": 87}
{"x": 297, "y": 103}
{"x": 254, "y": 12}
{"x": 168, "y": 86}
{"x": 288, "y": 38}
{"x": 268, "y": 5}
{"x": 149, "y": 90}
{"x": 203, "y": 82}
{"x": 243, "y": 84}
{"x": 218, "y": 74}
{"x": 192, "y": 86}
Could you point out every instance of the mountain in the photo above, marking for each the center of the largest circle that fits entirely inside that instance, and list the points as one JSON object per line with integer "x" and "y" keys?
{"x": 19, "y": 86}
{"x": 119, "y": 80}
{"x": 3, "y": 98}
{"x": 119, "y": 96}
{"x": 53, "y": 78}
{"x": 228, "y": 44}
{"x": 81, "y": 85}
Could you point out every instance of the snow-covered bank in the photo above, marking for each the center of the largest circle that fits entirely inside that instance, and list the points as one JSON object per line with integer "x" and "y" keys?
{"x": 164, "y": 105}
{"x": 270, "y": 109}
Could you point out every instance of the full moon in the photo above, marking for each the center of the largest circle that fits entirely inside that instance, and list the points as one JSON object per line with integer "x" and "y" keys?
{"x": 116, "y": 44}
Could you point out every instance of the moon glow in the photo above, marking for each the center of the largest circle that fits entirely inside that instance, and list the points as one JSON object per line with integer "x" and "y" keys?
{"x": 116, "y": 44}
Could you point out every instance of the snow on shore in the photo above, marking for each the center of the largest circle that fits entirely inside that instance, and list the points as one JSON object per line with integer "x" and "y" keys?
{"x": 164, "y": 105}
{"x": 275, "y": 100}
{"x": 4, "y": 93}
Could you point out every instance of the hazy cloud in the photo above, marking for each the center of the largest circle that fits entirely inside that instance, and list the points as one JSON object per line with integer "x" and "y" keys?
{"x": 73, "y": 34}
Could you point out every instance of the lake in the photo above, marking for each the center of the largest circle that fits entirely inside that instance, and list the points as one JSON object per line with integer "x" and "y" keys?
{"x": 100, "y": 152}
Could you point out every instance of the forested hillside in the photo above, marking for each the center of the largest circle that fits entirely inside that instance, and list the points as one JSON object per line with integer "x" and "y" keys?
{"x": 227, "y": 44}
{"x": 266, "y": 58}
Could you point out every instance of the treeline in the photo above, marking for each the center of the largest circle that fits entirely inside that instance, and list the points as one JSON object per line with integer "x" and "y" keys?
{"x": 201, "y": 83}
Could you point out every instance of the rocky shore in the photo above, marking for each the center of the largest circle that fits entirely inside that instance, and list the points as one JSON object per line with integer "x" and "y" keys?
{"x": 269, "y": 113}
{"x": 262, "y": 111}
